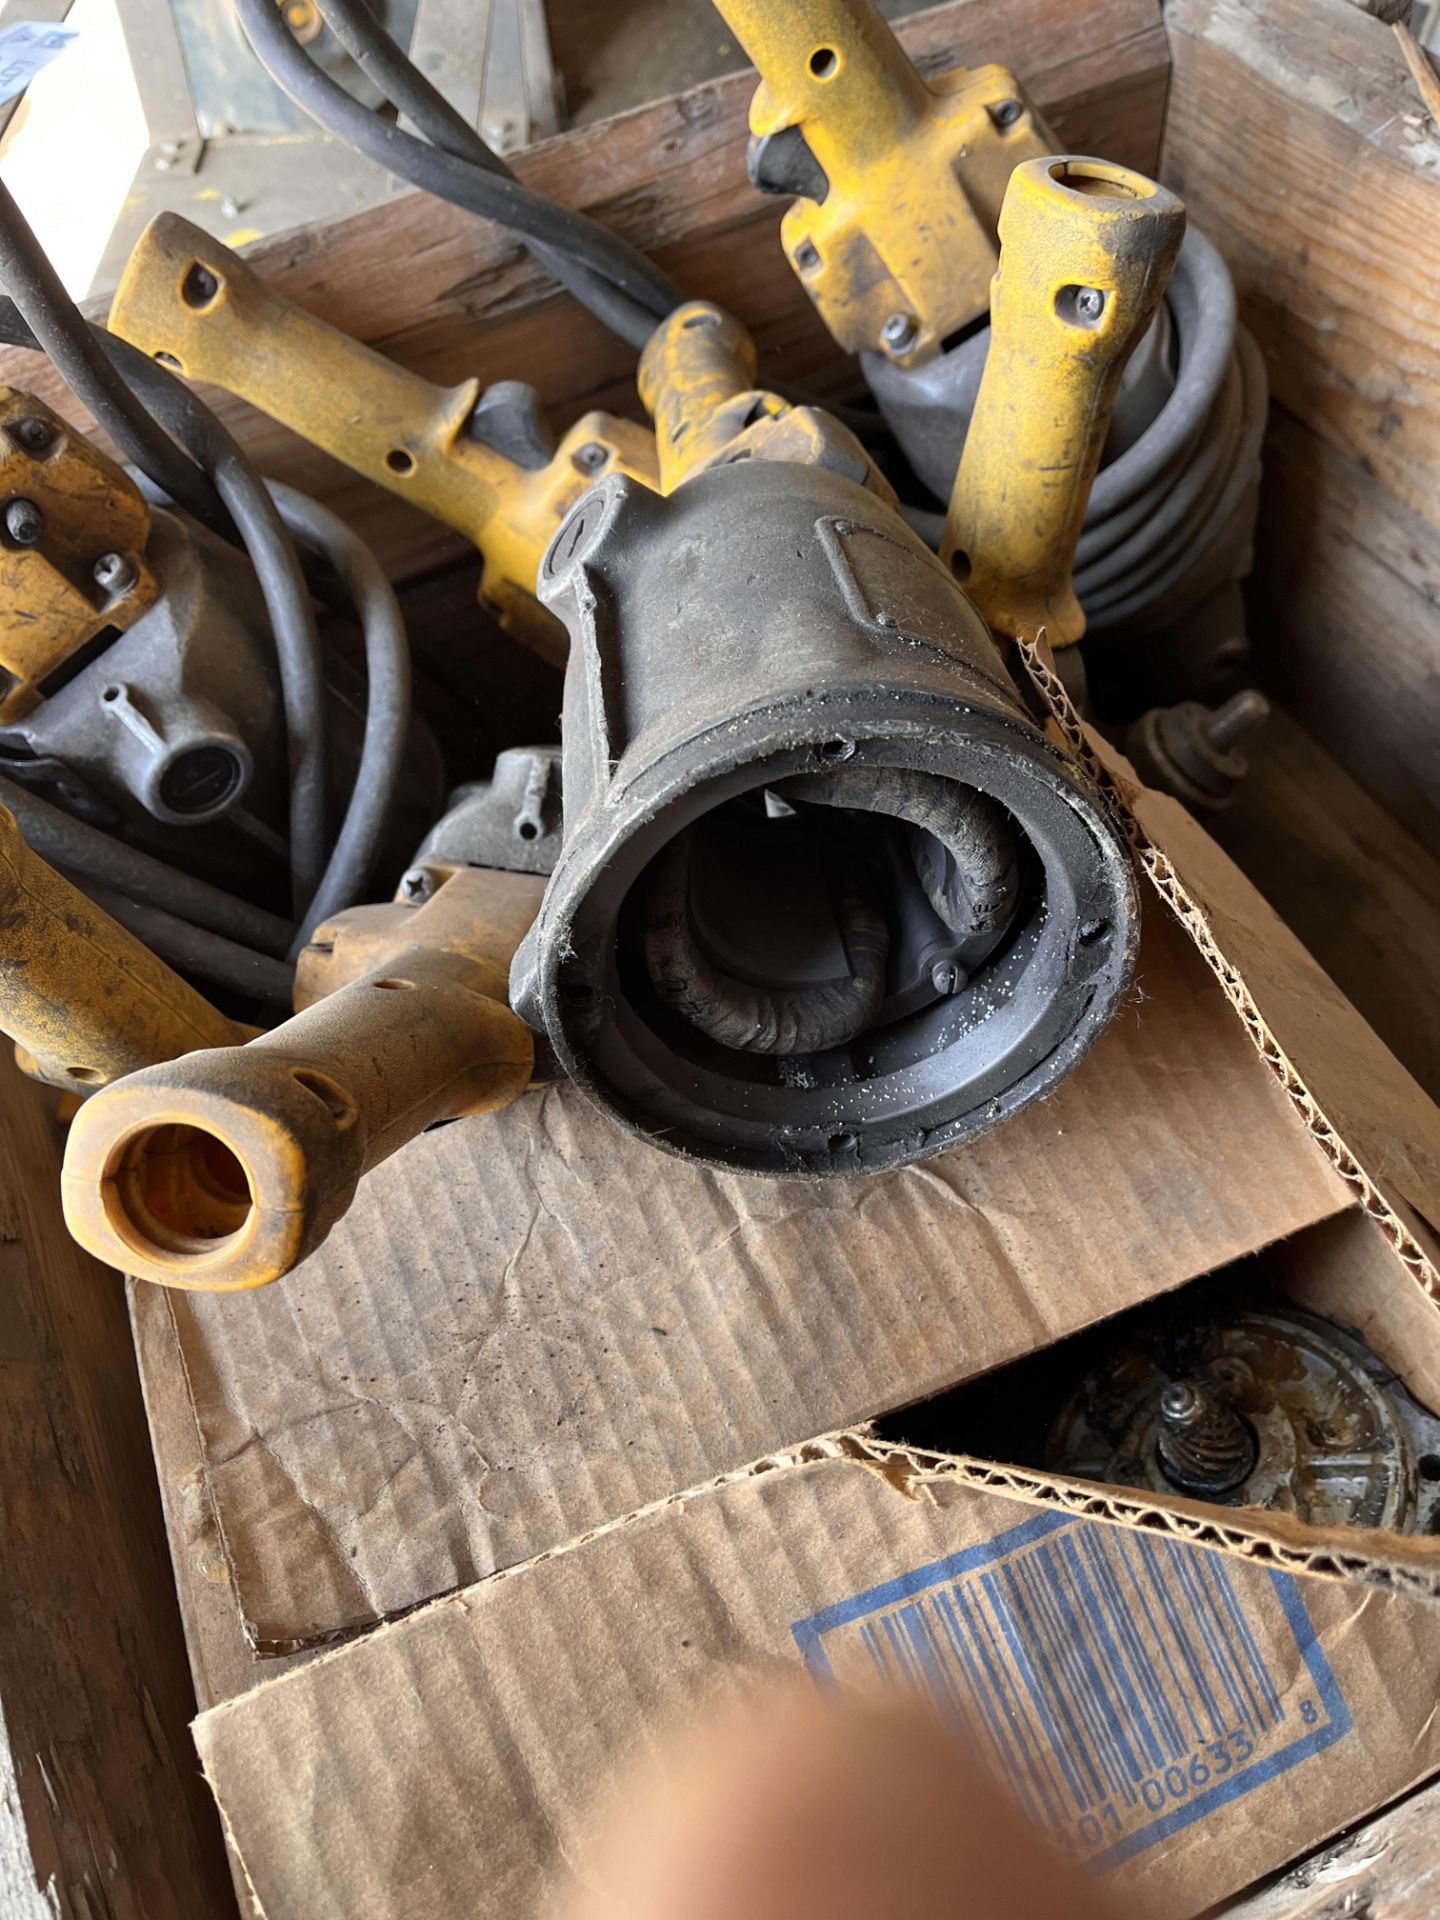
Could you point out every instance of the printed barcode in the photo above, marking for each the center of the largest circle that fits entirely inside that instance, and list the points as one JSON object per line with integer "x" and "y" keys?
{"x": 1113, "y": 1680}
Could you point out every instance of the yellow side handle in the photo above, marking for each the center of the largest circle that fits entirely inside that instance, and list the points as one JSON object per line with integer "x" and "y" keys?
{"x": 223, "y": 1170}
{"x": 1086, "y": 251}
{"x": 199, "y": 308}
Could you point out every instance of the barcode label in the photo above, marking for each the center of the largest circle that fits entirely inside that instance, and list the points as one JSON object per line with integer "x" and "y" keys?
{"x": 1114, "y": 1681}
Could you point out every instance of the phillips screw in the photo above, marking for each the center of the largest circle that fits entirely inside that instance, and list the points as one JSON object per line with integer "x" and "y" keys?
{"x": 115, "y": 572}
{"x": 24, "y": 522}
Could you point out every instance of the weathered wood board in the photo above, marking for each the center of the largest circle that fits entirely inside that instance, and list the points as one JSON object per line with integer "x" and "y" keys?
{"x": 1299, "y": 141}
{"x": 452, "y": 296}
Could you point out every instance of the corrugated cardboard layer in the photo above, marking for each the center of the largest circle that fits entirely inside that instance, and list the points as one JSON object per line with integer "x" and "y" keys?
{"x": 451, "y": 1764}
{"x": 530, "y": 1324}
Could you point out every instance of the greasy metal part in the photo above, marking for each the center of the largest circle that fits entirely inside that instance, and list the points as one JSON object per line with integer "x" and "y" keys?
{"x": 194, "y": 304}
{"x": 696, "y": 378}
{"x": 496, "y": 69}
{"x": 513, "y": 821}
{"x": 72, "y": 549}
{"x": 1271, "y": 1408}
{"x": 1203, "y": 1446}
{"x": 83, "y": 1000}
{"x": 813, "y": 635}
{"x": 1086, "y": 249}
{"x": 178, "y": 716}
{"x": 223, "y": 1170}
{"x": 1194, "y": 752}
{"x": 900, "y": 177}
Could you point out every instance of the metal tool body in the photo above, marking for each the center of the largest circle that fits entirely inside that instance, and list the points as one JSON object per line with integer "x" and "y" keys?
{"x": 85, "y": 1001}
{"x": 485, "y": 463}
{"x": 1087, "y": 248}
{"x": 138, "y": 666}
{"x": 828, "y": 900}
{"x": 899, "y": 177}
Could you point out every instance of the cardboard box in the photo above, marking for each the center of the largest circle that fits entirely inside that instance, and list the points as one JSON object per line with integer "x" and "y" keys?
{"x": 531, "y": 1324}
{"x": 1180, "y": 1718}
{"x": 608, "y": 1318}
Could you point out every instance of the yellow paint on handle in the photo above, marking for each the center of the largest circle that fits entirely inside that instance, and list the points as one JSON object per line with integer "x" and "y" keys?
{"x": 1086, "y": 251}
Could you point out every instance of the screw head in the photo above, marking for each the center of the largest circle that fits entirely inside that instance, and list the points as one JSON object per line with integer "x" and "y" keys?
{"x": 591, "y": 457}
{"x": 807, "y": 256}
{"x": 899, "y": 332}
{"x": 34, "y": 435}
{"x": 945, "y": 976}
{"x": 115, "y": 572}
{"x": 417, "y": 886}
{"x": 1006, "y": 112}
{"x": 1089, "y": 303}
{"x": 24, "y": 522}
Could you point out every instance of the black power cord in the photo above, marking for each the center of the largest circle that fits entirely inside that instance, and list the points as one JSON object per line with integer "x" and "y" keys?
{"x": 607, "y": 275}
{"x": 185, "y": 453}
{"x": 59, "y": 330}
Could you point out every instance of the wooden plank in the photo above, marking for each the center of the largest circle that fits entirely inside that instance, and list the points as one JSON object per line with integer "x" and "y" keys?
{"x": 452, "y": 296}
{"x": 1345, "y": 617}
{"x": 1320, "y": 183}
{"x": 1387, "y": 1869}
{"x": 93, "y": 1694}
{"x": 1362, "y": 894}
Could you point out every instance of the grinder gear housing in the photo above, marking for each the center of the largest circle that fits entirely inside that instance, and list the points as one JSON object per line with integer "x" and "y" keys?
{"x": 829, "y": 900}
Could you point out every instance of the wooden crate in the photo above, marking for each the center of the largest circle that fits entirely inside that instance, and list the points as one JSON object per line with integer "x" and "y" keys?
{"x": 1292, "y": 132}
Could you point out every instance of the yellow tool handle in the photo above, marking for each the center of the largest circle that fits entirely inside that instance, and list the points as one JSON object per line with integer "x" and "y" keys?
{"x": 198, "y": 307}
{"x": 85, "y": 1001}
{"x": 697, "y": 361}
{"x": 1086, "y": 250}
{"x": 899, "y": 178}
{"x": 191, "y": 302}
{"x": 834, "y": 64}
{"x": 223, "y": 1170}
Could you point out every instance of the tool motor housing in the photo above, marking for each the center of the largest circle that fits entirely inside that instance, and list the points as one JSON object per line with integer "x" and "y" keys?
{"x": 770, "y": 643}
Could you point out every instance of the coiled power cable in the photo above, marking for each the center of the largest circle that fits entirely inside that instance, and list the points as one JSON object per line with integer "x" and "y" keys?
{"x": 615, "y": 281}
{"x": 189, "y": 458}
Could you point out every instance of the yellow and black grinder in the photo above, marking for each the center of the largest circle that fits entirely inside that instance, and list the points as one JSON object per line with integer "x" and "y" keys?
{"x": 827, "y": 898}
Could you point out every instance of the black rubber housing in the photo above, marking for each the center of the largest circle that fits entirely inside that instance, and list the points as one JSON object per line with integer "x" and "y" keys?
{"x": 766, "y": 620}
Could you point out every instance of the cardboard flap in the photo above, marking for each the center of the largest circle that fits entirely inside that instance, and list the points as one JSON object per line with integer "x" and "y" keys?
{"x": 531, "y": 1323}
{"x": 1180, "y": 1719}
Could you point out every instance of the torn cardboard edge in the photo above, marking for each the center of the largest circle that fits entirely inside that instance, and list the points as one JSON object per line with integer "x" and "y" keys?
{"x": 1394, "y": 1214}
{"x": 1337, "y": 1554}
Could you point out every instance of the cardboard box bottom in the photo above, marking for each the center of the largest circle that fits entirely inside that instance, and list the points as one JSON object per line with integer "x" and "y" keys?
{"x": 1180, "y": 1719}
